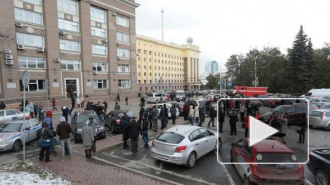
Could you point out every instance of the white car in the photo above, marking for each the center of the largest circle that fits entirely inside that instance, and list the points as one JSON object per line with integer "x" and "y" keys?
{"x": 156, "y": 97}
{"x": 168, "y": 105}
{"x": 183, "y": 144}
{"x": 9, "y": 114}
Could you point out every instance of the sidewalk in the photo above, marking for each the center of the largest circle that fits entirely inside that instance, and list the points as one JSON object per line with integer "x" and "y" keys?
{"x": 80, "y": 170}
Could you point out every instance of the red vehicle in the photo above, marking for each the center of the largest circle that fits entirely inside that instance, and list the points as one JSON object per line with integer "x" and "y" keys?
{"x": 250, "y": 91}
{"x": 266, "y": 151}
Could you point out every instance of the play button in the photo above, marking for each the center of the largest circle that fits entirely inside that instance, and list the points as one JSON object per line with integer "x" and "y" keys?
{"x": 259, "y": 130}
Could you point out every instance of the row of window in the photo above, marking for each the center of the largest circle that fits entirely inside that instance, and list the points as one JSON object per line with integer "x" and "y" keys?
{"x": 169, "y": 62}
{"x": 40, "y": 85}
{"x": 163, "y": 68}
{"x": 164, "y": 81}
{"x": 159, "y": 54}
{"x": 166, "y": 75}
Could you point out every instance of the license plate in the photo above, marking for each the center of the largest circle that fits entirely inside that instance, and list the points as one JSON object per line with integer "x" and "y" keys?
{"x": 162, "y": 157}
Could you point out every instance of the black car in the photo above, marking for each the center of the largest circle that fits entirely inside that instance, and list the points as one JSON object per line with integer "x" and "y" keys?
{"x": 319, "y": 165}
{"x": 79, "y": 120}
{"x": 112, "y": 119}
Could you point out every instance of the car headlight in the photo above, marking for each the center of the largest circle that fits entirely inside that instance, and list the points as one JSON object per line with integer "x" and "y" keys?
{"x": 4, "y": 142}
{"x": 79, "y": 130}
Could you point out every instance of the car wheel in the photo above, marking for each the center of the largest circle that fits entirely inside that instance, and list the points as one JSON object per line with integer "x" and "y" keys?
{"x": 16, "y": 146}
{"x": 247, "y": 181}
{"x": 191, "y": 160}
{"x": 321, "y": 177}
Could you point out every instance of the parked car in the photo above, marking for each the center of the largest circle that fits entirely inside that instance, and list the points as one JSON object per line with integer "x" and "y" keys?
{"x": 294, "y": 112}
{"x": 11, "y": 133}
{"x": 79, "y": 120}
{"x": 156, "y": 97}
{"x": 168, "y": 105}
{"x": 112, "y": 119}
{"x": 9, "y": 114}
{"x": 325, "y": 107}
{"x": 319, "y": 165}
{"x": 272, "y": 102}
{"x": 319, "y": 102}
{"x": 266, "y": 151}
{"x": 183, "y": 144}
{"x": 320, "y": 118}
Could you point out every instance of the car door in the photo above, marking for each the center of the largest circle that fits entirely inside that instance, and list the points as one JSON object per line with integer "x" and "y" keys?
{"x": 291, "y": 115}
{"x": 27, "y": 131}
{"x": 209, "y": 140}
{"x": 2, "y": 117}
{"x": 196, "y": 143}
{"x": 9, "y": 115}
{"x": 35, "y": 128}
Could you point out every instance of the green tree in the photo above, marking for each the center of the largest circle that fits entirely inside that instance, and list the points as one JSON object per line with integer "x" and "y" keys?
{"x": 211, "y": 82}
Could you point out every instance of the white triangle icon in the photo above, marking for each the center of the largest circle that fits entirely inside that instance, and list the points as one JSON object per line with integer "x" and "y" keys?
{"x": 259, "y": 130}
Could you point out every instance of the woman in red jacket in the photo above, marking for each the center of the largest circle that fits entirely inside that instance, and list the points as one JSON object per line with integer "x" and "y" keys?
{"x": 246, "y": 124}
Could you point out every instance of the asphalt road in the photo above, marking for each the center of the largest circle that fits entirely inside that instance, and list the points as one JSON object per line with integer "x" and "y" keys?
{"x": 207, "y": 169}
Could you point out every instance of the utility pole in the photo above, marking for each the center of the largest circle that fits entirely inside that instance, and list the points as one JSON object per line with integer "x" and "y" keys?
{"x": 220, "y": 78}
{"x": 162, "y": 25}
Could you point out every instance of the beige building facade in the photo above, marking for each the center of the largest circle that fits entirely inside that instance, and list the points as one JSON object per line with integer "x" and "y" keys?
{"x": 163, "y": 66}
{"x": 79, "y": 47}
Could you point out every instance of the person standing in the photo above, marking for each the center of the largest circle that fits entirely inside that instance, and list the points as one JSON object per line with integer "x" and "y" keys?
{"x": 221, "y": 119}
{"x": 191, "y": 114}
{"x": 118, "y": 97}
{"x": 283, "y": 128}
{"x": 99, "y": 111}
{"x": 173, "y": 113}
{"x": 31, "y": 109}
{"x": 141, "y": 112}
{"x": 302, "y": 125}
{"x": 164, "y": 116}
{"x": 227, "y": 106}
{"x": 124, "y": 123}
{"x": 142, "y": 100}
{"x": 154, "y": 114}
{"x": 73, "y": 101}
{"x": 213, "y": 114}
{"x": 196, "y": 113}
{"x": 149, "y": 110}
{"x": 82, "y": 101}
{"x": 41, "y": 114}
{"x": 202, "y": 111}
{"x": 134, "y": 130}
{"x": 63, "y": 130}
{"x": 185, "y": 109}
{"x": 246, "y": 125}
{"x": 54, "y": 104}
{"x": 2, "y": 105}
{"x": 65, "y": 112}
{"x": 242, "y": 111}
{"x": 88, "y": 139}
{"x": 78, "y": 102}
{"x": 232, "y": 121}
{"x": 275, "y": 123}
{"x": 105, "y": 103}
{"x": 145, "y": 130}
{"x": 45, "y": 133}
{"x": 35, "y": 109}
{"x": 117, "y": 106}
{"x": 126, "y": 100}
{"x": 92, "y": 122}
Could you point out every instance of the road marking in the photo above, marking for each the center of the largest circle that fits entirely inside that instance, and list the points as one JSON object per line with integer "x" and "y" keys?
{"x": 166, "y": 171}
{"x": 308, "y": 182}
{"x": 231, "y": 181}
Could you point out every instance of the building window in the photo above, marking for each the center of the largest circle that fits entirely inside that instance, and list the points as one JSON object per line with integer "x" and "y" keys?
{"x": 98, "y": 32}
{"x": 34, "y": 85}
{"x": 139, "y": 74}
{"x": 70, "y": 65}
{"x": 122, "y": 53}
{"x": 100, "y": 67}
{"x": 124, "y": 83}
{"x": 144, "y": 67}
{"x": 139, "y": 58}
{"x": 37, "y": 2}
{"x": 29, "y": 40}
{"x": 68, "y": 25}
{"x": 31, "y": 62}
{"x": 98, "y": 14}
{"x": 123, "y": 68}
{"x": 99, "y": 50}
{"x": 145, "y": 52}
{"x": 123, "y": 37}
{"x": 100, "y": 84}
{"x": 67, "y": 45}
{"x": 122, "y": 21}
{"x": 138, "y": 66}
{"x": 139, "y": 50}
{"x": 28, "y": 16}
{"x": 144, "y": 59}
{"x": 150, "y": 52}
{"x": 68, "y": 6}
{"x": 144, "y": 74}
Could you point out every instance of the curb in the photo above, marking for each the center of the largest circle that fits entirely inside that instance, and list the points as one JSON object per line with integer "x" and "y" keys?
{"x": 121, "y": 142}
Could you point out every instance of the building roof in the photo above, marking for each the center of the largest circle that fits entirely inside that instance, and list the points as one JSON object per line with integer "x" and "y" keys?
{"x": 173, "y": 45}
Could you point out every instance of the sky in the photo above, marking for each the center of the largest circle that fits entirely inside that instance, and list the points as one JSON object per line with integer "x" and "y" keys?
{"x": 224, "y": 27}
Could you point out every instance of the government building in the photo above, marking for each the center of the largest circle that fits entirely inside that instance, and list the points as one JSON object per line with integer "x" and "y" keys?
{"x": 72, "y": 48}
{"x": 163, "y": 66}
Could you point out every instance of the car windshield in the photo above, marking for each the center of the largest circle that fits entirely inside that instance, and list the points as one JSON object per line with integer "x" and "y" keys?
{"x": 169, "y": 137}
{"x": 180, "y": 93}
{"x": 276, "y": 158}
{"x": 81, "y": 119}
{"x": 325, "y": 100}
{"x": 280, "y": 109}
{"x": 11, "y": 127}
{"x": 149, "y": 95}
{"x": 325, "y": 107}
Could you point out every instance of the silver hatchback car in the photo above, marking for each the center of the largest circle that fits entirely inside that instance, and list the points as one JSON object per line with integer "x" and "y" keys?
{"x": 183, "y": 144}
{"x": 320, "y": 118}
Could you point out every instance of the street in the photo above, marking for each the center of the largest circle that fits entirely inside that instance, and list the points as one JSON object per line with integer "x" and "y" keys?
{"x": 206, "y": 171}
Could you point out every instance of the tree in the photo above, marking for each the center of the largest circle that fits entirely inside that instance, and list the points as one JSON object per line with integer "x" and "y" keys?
{"x": 212, "y": 82}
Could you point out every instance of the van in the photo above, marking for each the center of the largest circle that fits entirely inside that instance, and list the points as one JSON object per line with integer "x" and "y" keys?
{"x": 156, "y": 97}
{"x": 317, "y": 93}
{"x": 180, "y": 95}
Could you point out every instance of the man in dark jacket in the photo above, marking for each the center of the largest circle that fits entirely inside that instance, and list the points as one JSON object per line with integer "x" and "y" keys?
{"x": 105, "y": 103}
{"x": 99, "y": 111}
{"x": 2, "y": 105}
{"x": 164, "y": 116}
{"x": 185, "y": 109}
{"x": 202, "y": 111}
{"x": 65, "y": 112}
{"x": 227, "y": 107}
{"x": 154, "y": 114}
{"x": 145, "y": 130}
{"x": 124, "y": 121}
{"x": 232, "y": 121}
{"x": 213, "y": 114}
{"x": 63, "y": 130}
{"x": 221, "y": 118}
{"x": 142, "y": 110}
{"x": 45, "y": 133}
{"x": 134, "y": 130}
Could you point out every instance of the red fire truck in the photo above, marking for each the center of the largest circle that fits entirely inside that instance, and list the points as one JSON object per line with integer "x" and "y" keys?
{"x": 250, "y": 91}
